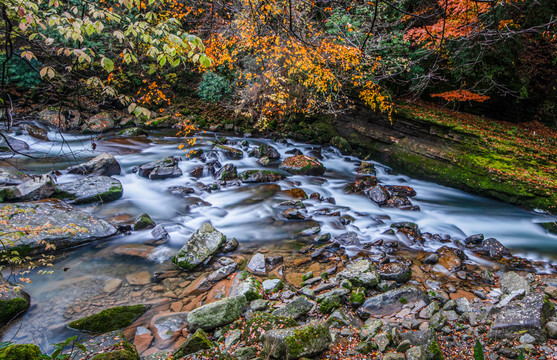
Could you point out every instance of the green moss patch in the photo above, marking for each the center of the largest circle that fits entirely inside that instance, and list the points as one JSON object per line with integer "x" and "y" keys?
{"x": 109, "y": 319}
{"x": 262, "y": 322}
{"x": 11, "y": 308}
{"x": 21, "y": 352}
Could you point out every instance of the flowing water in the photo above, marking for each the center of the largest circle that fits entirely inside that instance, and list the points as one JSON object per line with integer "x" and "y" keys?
{"x": 248, "y": 212}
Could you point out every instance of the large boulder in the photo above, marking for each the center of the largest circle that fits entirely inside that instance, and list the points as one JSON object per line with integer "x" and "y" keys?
{"x": 37, "y": 188}
{"x": 62, "y": 119}
{"x": 361, "y": 273}
{"x": 90, "y": 189}
{"x": 302, "y": 165}
{"x": 57, "y": 223}
{"x": 109, "y": 319}
{"x": 258, "y": 176}
{"x": 528, "y": 315}
{"x": 10, "y": 176}
{"x": 13, "y": 301}
{"x": 391, "y": 301}
{"x": 98, "y": 123}
{"x": 104, "y": 164}
{"x": 110, "y": 346}
{"x": 202, "y": 245}
{"x": 265, "y": 150}
{"x": 160, "y": 169}
{"x": 230, "y": 152}
{"x": 247, "y": 285}
{"x": 226, "y": 173}
{"x": 296, "y": 308}
{"x": 218, "y": 313}
{"x": 296, "y": 342}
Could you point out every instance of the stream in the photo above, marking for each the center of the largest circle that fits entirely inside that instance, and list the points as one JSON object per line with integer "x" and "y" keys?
{"x": 248, "y": 212}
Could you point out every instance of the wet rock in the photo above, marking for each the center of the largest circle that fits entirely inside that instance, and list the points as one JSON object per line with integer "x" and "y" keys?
{"x": 160, "y": 169}
{"x": 202, "y": 245}
{"x": 296, "y": 308}
{"x": 104, "y": 164}
{"x": 431, "y": 259}
{"x": 391, "y": 301}
{"x": 222, "y": 273}
{"x": 272, "y": 285}
{"x": 164, "y": 326}
{"x": 302, "y": 165}
{"x": 160, "y": 235}
{"x": 294, "y": 152}
{"x": 492, "y": 248}
{"x": 511, "y": 282}
{"x": 203, "y": 170}
{"x": 10, "y": 176}
{"x": 37, "y": 188}
{"x": 193, "y": 202}
{"x": 90, "y": 189}
{"x": 273, "y": 261}
{"x": 402, "y": 191}
{"x": 230, "y": 152}
{"x": 59, "y": 214}
{"x": 36, "y": 132}
{"x": 142, "y": 339}
{"x": 293, "y": 343}
{"x": 474, "y": 239}
{"x": 293, "y": 214}
{"x": 216, "y": 314}
{"x": 528, "y": 316}
{"x": 143, "y": 222}
{"x": 112, "y": 345}
{"x": 109, "y": 319}
{"x": 196, "y": 342}
{"x": 12, "y": 144}
{"x": 246, "y": 285}
{"x": 265, "y": 150}
{"x": 98, "y": 123}
{"x": 260, "y": 176}
{"x": 256, "y": 265}
{"x": 395, "y": 271}
{"x": 230, "y": 245}
{"x": 139, "y": 278}
{"x": 226, "y": 173}
{"x": 377, "y": 194}
{"x": 13, "y": 301}
{"x": 347, "y": 239}
{"x": 133, "y": 131}
{"x": 361, "y": 273}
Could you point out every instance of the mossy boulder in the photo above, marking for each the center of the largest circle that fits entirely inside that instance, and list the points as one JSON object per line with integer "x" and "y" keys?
{"x": 361, "y": 273}
{"x": 329, "y": 304}
{"x": 293, "y": 343}
{"x": 342, "y": 144}
{"x": 110, "y": 346}
{"x": 109, "y": 319}
{"x": 247, "y": 285}
{"x": 202, "y": 245}
{"x": 160, "y": 169}
{"x": 258, "y": 176}
{"x": 196, "y": 342}
{"x": 143, "y": 222}
{"x": 91, "y": 189}
{"x": 296, "y": 308}
{"x": 21, "y": 352}
{"x": 218, "y": 313}
{"x": 226, "y": 173}
{"x": 13, "y": 301}
{"x": 302, "y": 165}
{"x": 230, "y": 152}
{"x": 104, "y": 164}
{"x": 261, "y": 322}
{"x": 265, "y": 150}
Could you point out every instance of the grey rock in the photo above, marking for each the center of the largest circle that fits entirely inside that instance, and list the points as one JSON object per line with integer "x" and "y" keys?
{"x": 463, "y": 305}
{"x": 222, "y": 273}
{"x": 551, "y": 328}
{"x": 104, "y": 164}
{"x": 202, "y": 245}
{"x": 37, "y": 188}
{"x": 160, "y": 169}
{"x": 296, "y": 308}
{"x": 272, "y": 285}
{"x": 11, "y": 176}
{"x": 259, "y": 305}
{"x": 256, "y": 265}
{"x": 416, "y": 353}
{"x": 226, "y": 173}
{"x": 216, "y": 314}
{"x": 360, "y": 273}
{"x": 261, "y": 176}
{"x": 438, "y": 320}
{"x": 232, "y": 338}
{"x": 13, "y": 301}
{"x": 391, "y": 301}
{"x": 245, "y": 353}
{"x": 378, "y": 194}
{"x": 265, "y": 150}
{"x": 511, "y": 281}
{"x": 91, "y": 189}
{"x": 246, "y": 285}
{"x": 293, "y": 343}
{"x": 382, "y": 340}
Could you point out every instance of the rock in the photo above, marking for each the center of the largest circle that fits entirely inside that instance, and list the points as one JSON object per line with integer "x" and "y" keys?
{"x": 416, "y": 353}
{"x": 360, "y": 273}
{"x": 431, "y": 259}
{"x": 160, "y": 235}
{"x": 12, "y": 144}
{"x": 218, "y": 313}
{"x": 529, "y": 315}
{"x": 230, "y": 152}
{"x": 37, "y": 188}
{"x": 438, "y": 320}
{"x": 139, "y": 278}
{"x": 511, "y": 281}
{"x": 259, "y": 305}
{"x": 232, "y": 338}
{"x": 112, "y": 285}
{"x": 98, "y": 123}
{"x": 245, "y": 353}
{"x": 193, "y": 202}
{"x": 551, "y": 291}
{"x": 109, "y": 319}
{"x": 394, "y": 356}
{"x": 295, "y": 193}
{"x": 196, "y": 342}
{"x": 272, "y": 285}
{"x": 391, "y": 301}
{"x": 226, "y": 173}
{"x": 347, "y": 239}
{"x": 551, "y": 328}
{"x": 463, "y": 306}
{"x": 143, "y": 222}
{"x": 110, "y": 346}
{"x": 296, "y": 308}
{"x": 160, "y": 169}
{"x": 222, "y": 273}
{"x": 21, "y": 352}
{"x": 13, "y": 301}
{"x": 247, "y": 285}
{"x": 90, "y": 189}
{"x": 58, "y": 214}
{"x": 256, "y": 265}
{"x": 230, "y": 245}
{"x": 265, "y": 150}
{"x": 329, "y": 304}
{"x": 142, "y": 339}
{"x": 104, "y": 164}
{"x": 342, "y": 317}
{"x": 133, "y": 131}
{"x": 342, "y": 144}
{"x": 164, "y": 326}
{"x": 492, "y": 248}
{"x": 398, "y": 190}
{"x": 261, "y": 176}
{"x": 395, "y": 271}
{"x": 302, "y": 165}
{"x": 10, "y": 176}
{"x": 474, "y": 239}
{"x": 261, "y": 322}
{"x": 293, "y": 214}
{"x": 429, "y": 311}
{"x": 36, "y": 132}
{"x": 64, "y": 120}
{"x": 378, "y": 194}
{"x": 293, "y": 343}
{"x": 202, "y": 245}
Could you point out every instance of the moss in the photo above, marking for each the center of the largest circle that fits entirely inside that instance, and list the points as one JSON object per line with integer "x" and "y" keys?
{"x": 261, "y": 322}
{"x": 550, "y": 226}
{"x": 357, "y": 297}
{"x": 403, "y": 300}
{"x": 301, "y": 337}
{"x": 329, "y": 304}
{"x": 21, "y": 352}
{"x": 307, "y": 276}
{"x": 11, "y": 308}
{"x": 197, "y": 342}
{"x": 109, "y": 319}
{"x": 435, "y": 352}
{"x": 123, "y": 351}
{"x": 324, "y": 275}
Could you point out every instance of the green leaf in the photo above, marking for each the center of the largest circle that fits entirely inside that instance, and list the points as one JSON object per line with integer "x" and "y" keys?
{"x": 205, "y": 61}
{"x": 478, "y": 351}
{"x": 107, "y": 64}
{"x": 520, "y": 355}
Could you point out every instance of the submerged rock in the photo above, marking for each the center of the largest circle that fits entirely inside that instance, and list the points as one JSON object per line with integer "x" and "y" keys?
{"x": 296, "y": 342}
{"x": 82, "y": 227}
{"x": 104, "y": 164}
{"x": 218, "y": 313}
{"x": 202, "y": 245}
{"x": 160, "y": 169}
{"x": 109, "y": 319}
{"x": 90, "y": 189}
{"x": 12, "y": 144}
{"x": 258, "y": 176}
{"x": 13, "y": 301}
{"x": 302, "y": 165}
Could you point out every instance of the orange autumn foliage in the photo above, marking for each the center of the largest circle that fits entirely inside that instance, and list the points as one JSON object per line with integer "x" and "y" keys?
{"x": 461, "y": 95}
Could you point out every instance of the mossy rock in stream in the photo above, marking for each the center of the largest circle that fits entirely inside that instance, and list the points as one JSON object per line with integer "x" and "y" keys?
{"x": 21, "y": 352}
{"x": 13, "y": 301}
{"x": 109, "y": 319}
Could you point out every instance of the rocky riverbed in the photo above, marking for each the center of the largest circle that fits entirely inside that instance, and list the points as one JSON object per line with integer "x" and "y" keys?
{"x": 249, "y": 249}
